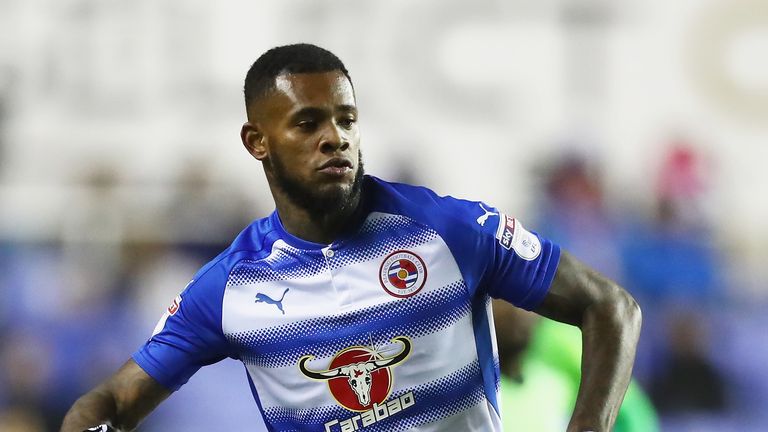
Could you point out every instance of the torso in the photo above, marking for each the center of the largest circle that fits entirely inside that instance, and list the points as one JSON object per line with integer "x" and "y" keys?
{"x": 344, "y": 305}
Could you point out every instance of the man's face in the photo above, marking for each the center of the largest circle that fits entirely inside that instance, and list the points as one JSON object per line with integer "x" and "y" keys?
{"x": 311, "y": 138}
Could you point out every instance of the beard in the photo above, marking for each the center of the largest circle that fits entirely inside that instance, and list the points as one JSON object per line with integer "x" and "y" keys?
{"x": 319, "y": 202}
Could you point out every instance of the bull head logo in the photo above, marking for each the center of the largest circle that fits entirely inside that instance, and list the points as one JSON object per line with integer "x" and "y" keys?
{"x": 358, "y": 374}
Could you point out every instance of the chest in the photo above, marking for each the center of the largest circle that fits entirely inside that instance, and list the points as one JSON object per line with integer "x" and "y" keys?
{"x": 394, "y": 279}
{"x": 378, "y": 320}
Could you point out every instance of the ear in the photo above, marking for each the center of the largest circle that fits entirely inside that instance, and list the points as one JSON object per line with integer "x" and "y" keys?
{"x": 254, "y": 141}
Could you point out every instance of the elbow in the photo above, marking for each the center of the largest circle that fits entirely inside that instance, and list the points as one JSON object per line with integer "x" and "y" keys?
{"x": 632, "y": 311}
{"x": 618, "y": 309}
{"x": 626, "y": 310}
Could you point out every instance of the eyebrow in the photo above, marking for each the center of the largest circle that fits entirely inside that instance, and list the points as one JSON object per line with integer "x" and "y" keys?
{"x": 319, "y": 112}
{"x": 346, "y": 108}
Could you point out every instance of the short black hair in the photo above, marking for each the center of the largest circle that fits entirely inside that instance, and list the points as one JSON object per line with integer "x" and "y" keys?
{"x": 296, "y": 58}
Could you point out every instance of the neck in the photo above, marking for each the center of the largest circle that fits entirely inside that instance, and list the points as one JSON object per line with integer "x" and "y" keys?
{"x": 323, "y": 227}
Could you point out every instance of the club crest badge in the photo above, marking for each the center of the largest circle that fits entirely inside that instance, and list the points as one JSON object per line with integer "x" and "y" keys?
{"x": 402, "y": 274}
{"x": 359, "y": 377}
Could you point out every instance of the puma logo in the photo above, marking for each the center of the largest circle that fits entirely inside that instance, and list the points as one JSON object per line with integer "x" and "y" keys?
{"x": 263, "y": 298}
{"x": 481, "y": 220}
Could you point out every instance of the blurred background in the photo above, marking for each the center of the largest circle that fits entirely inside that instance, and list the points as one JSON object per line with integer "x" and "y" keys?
{"x": 633, "y": 133}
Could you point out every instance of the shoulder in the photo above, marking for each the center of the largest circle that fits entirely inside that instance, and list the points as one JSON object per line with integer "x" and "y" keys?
{"x": 425, "y": 205}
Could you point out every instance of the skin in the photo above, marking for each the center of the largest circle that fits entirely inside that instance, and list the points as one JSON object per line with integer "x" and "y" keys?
{"x": 308, "y": 120}
{"x": 295, "y": 130}
{"x": 123, "y": 401}
{"x": 610, "y": 321}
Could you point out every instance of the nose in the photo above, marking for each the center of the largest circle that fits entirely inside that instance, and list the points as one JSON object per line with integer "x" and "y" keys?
{"x": 333, "y": 139}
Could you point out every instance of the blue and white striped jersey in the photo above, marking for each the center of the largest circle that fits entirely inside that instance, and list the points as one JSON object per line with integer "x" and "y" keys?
{"x": 387, "y": 329}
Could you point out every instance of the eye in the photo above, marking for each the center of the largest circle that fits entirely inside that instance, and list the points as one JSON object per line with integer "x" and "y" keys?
{"x": 307, "y": 125}
{"x": 347, "y": 122}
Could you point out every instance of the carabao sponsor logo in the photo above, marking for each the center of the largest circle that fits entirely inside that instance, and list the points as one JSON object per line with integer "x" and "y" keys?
{"x": 376, "y": 414}
{"x": 359, "y": 376}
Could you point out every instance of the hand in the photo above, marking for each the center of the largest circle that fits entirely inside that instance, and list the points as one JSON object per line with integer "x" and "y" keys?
{"x": 101, "y": 428}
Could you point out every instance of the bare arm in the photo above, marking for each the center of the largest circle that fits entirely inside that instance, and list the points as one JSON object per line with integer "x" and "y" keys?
{"x": 610, "y": 322}
{"x": 123, "y": 400}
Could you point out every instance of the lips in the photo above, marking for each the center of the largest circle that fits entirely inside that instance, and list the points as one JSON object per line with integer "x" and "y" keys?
{"x": 336, "y": 167}
{"x": 336, "y": 162}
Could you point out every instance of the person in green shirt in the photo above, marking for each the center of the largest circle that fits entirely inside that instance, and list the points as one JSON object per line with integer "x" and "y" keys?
{"x": 540, "y": 372}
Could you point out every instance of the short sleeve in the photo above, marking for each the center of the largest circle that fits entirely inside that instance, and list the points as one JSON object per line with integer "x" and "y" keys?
{"x": 188, "y": 335}
{"x": 496, "y": 254}
{"x": 523, "y": 263}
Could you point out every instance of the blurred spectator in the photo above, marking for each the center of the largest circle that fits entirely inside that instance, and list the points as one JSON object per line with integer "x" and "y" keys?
{"x": 672, "y": 266}
{"x": 202, "y": 216}
{"x": 667, "y": 262}
{"x": 574, "y": 214}
{"x": 672, "y": 258}
{"x": 21, "y": 419}
{"x": 688, "y": 381}
{"x": 156, "y": 273}
{"x": 25, "y": 383}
